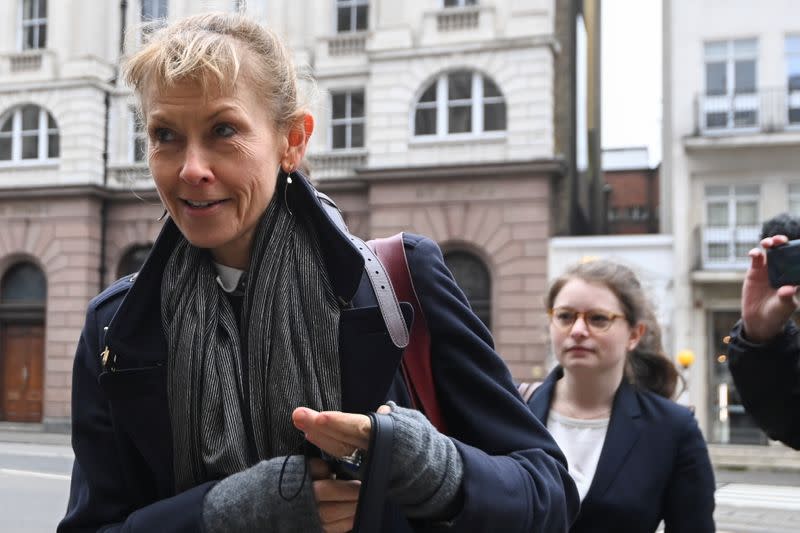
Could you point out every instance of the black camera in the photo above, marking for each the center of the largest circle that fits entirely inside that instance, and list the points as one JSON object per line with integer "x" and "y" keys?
{"x": 783, "y": 264}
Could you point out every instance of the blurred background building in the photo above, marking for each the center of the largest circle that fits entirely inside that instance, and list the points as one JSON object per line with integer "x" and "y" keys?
{"x": 475, "y": 122}
{"x": 731, "y": 139}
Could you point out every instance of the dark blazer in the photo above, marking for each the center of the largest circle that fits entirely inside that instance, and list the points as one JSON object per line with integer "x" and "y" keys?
{"x": 654, "y": 466}
{"x": 515, "y": 477}
{"x": 767, "y": 377}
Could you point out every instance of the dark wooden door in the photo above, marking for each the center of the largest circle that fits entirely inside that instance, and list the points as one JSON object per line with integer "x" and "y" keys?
{"x": 22, "y": 354}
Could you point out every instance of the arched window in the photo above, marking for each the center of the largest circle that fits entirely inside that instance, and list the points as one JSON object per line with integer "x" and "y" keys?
{"x": 473, "y": 277}
{"x": 28, "y": 133}
{"x": 23, "y": 283}
{"x": 461, "y": 102}
{"x": 133, "y": 260}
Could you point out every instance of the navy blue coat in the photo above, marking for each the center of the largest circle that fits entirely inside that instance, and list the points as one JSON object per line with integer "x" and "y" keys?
{"x": 653, "y": 466}
{"x": 767, "y": 377}
{"x": 515, "y": 477}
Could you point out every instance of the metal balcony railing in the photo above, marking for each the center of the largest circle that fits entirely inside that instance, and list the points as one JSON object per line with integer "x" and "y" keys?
{"x": 725, "y": 248}
{"x": 767, "y": 110}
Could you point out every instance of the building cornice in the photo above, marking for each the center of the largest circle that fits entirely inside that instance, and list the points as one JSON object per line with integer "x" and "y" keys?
{"x": 554, "y": 166}
{"x": 74, "y": 83}
{"x": 492, "y": 45}
{"x": 75, "y": 191}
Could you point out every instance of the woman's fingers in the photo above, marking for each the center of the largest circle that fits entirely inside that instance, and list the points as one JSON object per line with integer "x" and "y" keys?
{"x": 334, "y": 432}
{"x": 775, "y": 240}
{"x": 336, "y": 504}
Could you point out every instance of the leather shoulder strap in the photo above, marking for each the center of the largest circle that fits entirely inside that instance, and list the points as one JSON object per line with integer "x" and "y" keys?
{"x": 384, "y": 292}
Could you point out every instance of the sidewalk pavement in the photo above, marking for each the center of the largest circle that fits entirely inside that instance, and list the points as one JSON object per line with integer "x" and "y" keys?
{"x": 32, "y": 434}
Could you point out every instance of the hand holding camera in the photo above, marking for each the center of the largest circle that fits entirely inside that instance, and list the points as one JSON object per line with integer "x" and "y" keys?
{"x": 769, "y": 290}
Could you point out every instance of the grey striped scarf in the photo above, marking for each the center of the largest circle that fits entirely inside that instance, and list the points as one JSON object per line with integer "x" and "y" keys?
{"x": 290, "y": 321}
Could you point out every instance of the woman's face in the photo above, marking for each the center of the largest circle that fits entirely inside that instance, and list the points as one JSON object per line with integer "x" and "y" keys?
{"x": 582, "y": 348}
{"x": 214, "y": 158}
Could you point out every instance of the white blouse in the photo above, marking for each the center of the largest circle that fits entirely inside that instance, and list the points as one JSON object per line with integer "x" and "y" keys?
{"x": 581, "y": 441}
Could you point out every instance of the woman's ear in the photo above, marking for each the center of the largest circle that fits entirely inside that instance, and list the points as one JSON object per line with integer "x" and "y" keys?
{"x": 637, "y": 332}
{"x": 297, "y": 137}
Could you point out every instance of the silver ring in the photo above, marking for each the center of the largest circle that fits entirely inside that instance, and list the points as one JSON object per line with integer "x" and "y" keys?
{"x": 355, "y": 459}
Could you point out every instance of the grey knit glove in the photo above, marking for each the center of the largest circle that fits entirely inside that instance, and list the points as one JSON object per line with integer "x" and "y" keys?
{"x": 426, "y": 471}
{"x": 250, "y": 500}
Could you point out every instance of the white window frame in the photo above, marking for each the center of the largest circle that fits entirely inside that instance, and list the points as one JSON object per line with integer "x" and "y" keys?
{"x": 732, "y": 233}
{"x": 348, "y": 120}
{"x": 730, "y": 102}
{"x": 134, "y": 135}
{"x": 477, "y": 101}
{"x": 36, "y": 23}
{"x": 16, "y": 135}
{"x": 353, "y": 6}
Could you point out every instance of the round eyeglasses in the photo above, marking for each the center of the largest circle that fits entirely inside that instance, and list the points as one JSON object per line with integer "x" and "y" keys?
{"x": 597, "y": 320}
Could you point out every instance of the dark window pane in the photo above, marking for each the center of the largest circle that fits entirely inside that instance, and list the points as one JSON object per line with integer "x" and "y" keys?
{"x": 794, "y": 115}
{"x": 27, "y": 9}
{"x": 494, "y": 117}
{"x": 716, "y": 78}
{"x": 133, "y": 260}
{"x": 51, "y": 124}
{"x": 29, "y": 38}
{"x": 30, "y": 147}
{"x": 361, "y": 18}
{"x": 717, "y": 251}
{"x": 450, "y": 3}
{"x": 460, "y": 119}
{"x": 42, "y": 36}
{"x": 42, "y": 8}
{"x": 343, "y": 19}
{"x": 5, "y": 149}
{"x": 340, "y": 136}
{"x": 8, "y": 123}
{"x": 425, "y": 122}
{"x": 471, "y": 3}
{"x": 357, "y": 104}
{"x": 490, "y": 89}
{"x": 23, "y": 282}
{"x": 716, "y": 120}
{"x": 339, "y": 105}
{"x": 742, "y": 119}
{"x": 357, "y": 140}
{"x": 139, "y": 149}
{"x": 473, "y": 277}
{"x": 430, "y": 94}
{"x": 30, "y": 117}
{"x": 459, "y": 86}
{"x": 745, "y": 73}
{"x": 52, "y": 145}
{"x": 794, "y": 79}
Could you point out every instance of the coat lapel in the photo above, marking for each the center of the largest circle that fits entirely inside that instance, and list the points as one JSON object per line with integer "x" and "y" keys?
{"x": 624, "y": 429}
{"x": 539, "y": 403}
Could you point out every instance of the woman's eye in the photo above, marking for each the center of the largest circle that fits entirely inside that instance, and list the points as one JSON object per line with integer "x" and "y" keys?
{"x": 163, "y": 135}
{"x": 565, "y": 317}
{"x": 598, "y": 319}
{"x": 224, "y": 130}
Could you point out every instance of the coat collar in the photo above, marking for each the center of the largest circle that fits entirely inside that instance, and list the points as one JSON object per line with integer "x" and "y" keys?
{"x": 140, "y": 311}
{"x": 624, "y": 428}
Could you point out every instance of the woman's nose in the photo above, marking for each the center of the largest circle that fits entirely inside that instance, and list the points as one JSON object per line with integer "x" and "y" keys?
{"x": 196, "y": 168}
{"x": 579, "y": 328}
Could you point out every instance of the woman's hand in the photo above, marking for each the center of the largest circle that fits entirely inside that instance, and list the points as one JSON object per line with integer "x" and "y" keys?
{"x": 336, "y": 499}
{"x": 765, "y": 309}
{"x": 337, "y": 434}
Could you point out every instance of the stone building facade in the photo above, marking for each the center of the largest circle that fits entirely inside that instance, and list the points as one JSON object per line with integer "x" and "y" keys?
{"x": 436, "y": 117}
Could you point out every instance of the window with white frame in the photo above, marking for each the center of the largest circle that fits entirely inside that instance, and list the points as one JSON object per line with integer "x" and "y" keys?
{"x": 351, "y": 15}
{"x": 28, "y": 133}
{"x": 137, "y": 135}
{"x": 153, "y": 10}
{"x": 460, "y": 3}
{"x": 33, "y": 32}
{"x": 793, "y": 78}
{"x": 731, "y": 76}
{"x": 347, "y": 119}
{"x": 461, "y": 102}
{"x": 732, "y": 227}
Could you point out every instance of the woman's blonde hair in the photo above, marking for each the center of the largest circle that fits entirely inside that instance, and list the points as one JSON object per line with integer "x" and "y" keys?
{"x": 647, "y": 365}
{"x": 211, "y": 48}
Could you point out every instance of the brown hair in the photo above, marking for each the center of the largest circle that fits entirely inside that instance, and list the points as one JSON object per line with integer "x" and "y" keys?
{"x": 211, "y": 48}
{"x": 647, "y": 365}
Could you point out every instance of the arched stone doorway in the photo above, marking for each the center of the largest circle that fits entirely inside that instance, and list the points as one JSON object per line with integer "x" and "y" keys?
{"x": 23, "y": 292}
